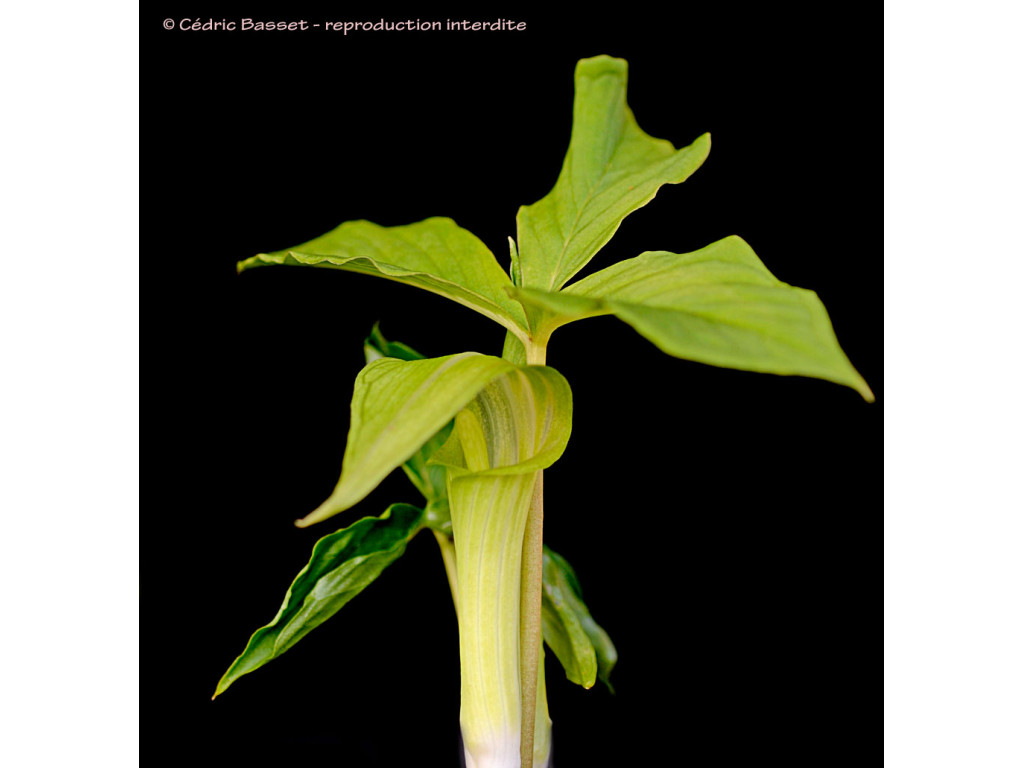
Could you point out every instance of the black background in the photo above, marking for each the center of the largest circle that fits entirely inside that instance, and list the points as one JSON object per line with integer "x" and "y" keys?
{"x": 718, "y": 519}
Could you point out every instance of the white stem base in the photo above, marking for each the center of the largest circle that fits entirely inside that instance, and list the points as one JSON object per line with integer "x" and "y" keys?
{"x": 503, "y": 752}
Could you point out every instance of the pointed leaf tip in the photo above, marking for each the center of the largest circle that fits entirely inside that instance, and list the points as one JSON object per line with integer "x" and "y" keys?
{"x": 611, "y": 169}
{"x": 435, "y": 254}
{"x": 341, "y": 566}
{"x": 719, "y": 305}
{"x": 579, "y": 643}
{"x": 397, "y": 407}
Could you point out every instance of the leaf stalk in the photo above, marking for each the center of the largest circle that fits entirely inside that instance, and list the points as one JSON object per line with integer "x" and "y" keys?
{"x": 531, "y": 595}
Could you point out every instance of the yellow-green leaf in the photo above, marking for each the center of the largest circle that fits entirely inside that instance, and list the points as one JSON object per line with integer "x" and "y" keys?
{"x": 612, "y": 168}
{"x": 430, "y": 480}
{"x": 435, "y": 254}
{"x": 397, "y": 406}
{"x": 719, "y": 305}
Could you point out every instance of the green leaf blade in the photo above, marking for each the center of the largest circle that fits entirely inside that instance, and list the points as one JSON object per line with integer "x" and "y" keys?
{"x": 611, "y": 169}
{"x": 435, "y": 254}
{"x": 584, "y": 649}
{"x": 341, "y": 566}
{"x": 563, "y": 631}
{"x": 375, "y": 346}
{"x": 397, "y": 407}
{"x": 719, "y": 305}
{"x": 430, "y": 480}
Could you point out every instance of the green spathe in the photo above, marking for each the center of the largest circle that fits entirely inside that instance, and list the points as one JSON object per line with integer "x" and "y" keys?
{"x": 562, "y": 597}
{"x": 348, "y": 560}
{"x": 516, "y": 426}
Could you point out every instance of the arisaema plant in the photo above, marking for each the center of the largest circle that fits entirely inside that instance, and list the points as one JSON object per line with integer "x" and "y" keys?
{"x": 474, "y": 432}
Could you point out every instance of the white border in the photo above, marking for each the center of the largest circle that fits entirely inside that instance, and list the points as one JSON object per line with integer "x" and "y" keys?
{"x": 954, "y": 302}
{"x": 69, "y": 384}
{"x": 954, "y": 558}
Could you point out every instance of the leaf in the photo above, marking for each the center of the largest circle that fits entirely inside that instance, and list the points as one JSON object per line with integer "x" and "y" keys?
{"x": 375, "y": 346}
{"x": 398, "y": 406}
{"x": 563, "y": 631}
{"x": 435, "y": 254}
{"x": 612, "y": 168}
{"x": 429, "y": 480}
{"x": 719, "y": 305}
{"x": 342, "y": 565}
{"x": 580, "y": 644}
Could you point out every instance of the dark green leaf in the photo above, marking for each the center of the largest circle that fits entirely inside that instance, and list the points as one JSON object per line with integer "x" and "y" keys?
{"x": 375, "y": 346}
{"x": 341, "y": 566}
{"x": 580, "y": 644}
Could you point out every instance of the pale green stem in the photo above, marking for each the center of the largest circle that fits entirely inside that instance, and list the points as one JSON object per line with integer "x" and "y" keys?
{"x": 530, "y": 640}
{"x": 536, "y": 354}
{"x": 530, "y": 631}
{"x": 448, "y": 556}
{"x": 542, "y": 722}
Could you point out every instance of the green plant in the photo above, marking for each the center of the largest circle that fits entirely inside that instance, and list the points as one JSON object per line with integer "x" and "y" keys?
{"x": 474, "y": 432}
